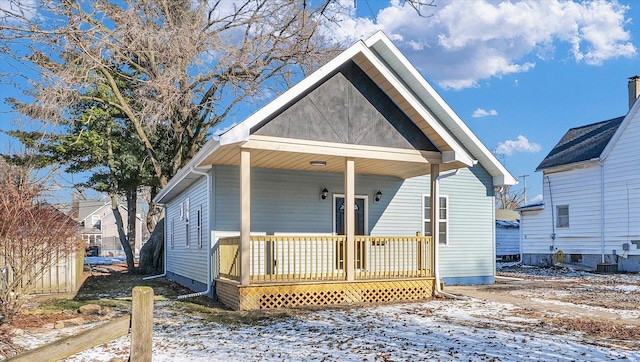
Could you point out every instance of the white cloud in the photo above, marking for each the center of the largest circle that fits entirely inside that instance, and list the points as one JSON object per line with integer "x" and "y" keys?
{"x": 465, "y": 42}
{"x": 535, "y": 199}
{"x": 478, "y": 113}
{"x": 522, "y": 144}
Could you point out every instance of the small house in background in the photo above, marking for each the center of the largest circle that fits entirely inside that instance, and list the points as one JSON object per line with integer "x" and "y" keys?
{"x": 591, "y": 209}
{"x": 99, "y": 228}
{"x": 507, "y": 235}
{"x": 358, "y": 184}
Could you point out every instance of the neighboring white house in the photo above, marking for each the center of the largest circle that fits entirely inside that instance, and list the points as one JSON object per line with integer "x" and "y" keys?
{"x": 257, "y": 217}
{"x": 99, "y": 228}
{"x": 591, "y": 208}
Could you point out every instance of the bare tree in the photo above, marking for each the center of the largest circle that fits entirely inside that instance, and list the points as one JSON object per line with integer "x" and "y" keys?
{"x": 172, "y": 68}
{"x": 33, "y": 236}
{"x": 508, "y": 199}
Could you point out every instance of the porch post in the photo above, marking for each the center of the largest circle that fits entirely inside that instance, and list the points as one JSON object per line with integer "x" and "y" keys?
{"x": 349, "y": 216}
{"x": 434, "y": 216}
{"x": 245, "y": 216}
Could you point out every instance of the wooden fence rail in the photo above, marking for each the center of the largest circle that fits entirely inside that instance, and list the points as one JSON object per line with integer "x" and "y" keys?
{"x": 141, "y": 319}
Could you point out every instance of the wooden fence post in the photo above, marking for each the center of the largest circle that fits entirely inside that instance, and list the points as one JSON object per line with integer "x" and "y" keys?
{"x": 141, "y": 324}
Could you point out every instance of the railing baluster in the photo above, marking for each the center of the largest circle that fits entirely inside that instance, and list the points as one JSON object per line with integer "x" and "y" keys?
{"x": 313, "y": 258}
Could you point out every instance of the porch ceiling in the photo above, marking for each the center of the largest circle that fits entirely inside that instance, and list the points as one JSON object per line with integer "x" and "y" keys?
{"x": 294, "y": 154}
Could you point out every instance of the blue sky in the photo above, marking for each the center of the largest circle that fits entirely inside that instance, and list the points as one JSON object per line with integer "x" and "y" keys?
{"x": 519, "y": 73}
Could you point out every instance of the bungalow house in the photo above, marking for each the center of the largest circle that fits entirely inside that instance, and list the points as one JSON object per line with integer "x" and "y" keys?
{"x": 591, "y": 209}
{"x": 257, "y": 218}
{"x": 99, "y": 229}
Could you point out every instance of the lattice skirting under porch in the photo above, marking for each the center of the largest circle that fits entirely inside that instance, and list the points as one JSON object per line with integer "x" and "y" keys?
{"x": 295, "y": 295}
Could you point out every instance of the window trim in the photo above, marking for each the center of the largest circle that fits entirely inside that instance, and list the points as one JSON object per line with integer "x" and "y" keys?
{"x": 172, "y": 233}
{"x": 565, "y": 216}
{"x": 426, "y": 218}
{"x": 199, "y": 225}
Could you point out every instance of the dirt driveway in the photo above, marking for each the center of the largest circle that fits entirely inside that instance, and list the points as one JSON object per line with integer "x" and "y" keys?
{"x": 602, "y": 306}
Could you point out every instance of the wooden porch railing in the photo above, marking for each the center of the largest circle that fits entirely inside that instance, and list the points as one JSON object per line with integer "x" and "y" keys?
{"x": 293, "y": 259}
{"x": 229, "y": 250}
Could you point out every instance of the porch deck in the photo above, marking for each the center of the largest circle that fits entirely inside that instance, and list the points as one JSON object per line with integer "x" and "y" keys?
{"x": 288, "y": 271}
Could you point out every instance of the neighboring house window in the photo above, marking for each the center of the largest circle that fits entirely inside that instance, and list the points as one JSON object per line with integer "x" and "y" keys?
{"x": 443, "y": 216}
{"x": 171, "y": 234}
{"x": 95, "y": 221}
{"x": 199, "y": 226}
{"x": 562, "y": 216}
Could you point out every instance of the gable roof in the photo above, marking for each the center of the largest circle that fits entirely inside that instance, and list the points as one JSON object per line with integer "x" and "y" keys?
{"x": 397, "y": 77}
{"x": 581, "y": 144}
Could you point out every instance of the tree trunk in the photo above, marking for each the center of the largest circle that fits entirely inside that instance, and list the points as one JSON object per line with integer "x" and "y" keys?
{"x": 132, "y": 208}
{"x": 123, "y": 237}
{"x": 152, "y": 252}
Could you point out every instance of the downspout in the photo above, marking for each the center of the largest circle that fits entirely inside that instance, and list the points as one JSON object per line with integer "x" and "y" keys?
{"x": 553, "y": 221}
{"x": 602, "y": 250}
{"x": 206, "y": 292}
{"x": 164, "y": 256}
{"x": 436, "y": 254}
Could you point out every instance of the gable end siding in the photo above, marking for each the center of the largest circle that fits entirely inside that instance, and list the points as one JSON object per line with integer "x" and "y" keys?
{"x": 347, "y": 108}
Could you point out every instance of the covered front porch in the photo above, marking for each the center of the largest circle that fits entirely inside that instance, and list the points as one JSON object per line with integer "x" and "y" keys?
{"x": 344, "y": 265}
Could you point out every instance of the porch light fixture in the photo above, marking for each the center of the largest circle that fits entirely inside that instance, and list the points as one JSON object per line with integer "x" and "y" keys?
{"x": 378, "y": 197}
{"x": 324, "y": 194}
{"x": 318, "y": 163}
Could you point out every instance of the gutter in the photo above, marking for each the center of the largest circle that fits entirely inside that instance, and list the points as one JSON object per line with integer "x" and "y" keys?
{"x": 206, "y": 292}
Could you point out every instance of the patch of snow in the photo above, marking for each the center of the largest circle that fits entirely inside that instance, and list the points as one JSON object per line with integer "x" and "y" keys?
{"x": 432, "y": 330}
{"x": 103, "y": 260}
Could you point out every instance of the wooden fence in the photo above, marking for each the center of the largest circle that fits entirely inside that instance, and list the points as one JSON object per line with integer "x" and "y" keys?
{"x": 139, "y": 324}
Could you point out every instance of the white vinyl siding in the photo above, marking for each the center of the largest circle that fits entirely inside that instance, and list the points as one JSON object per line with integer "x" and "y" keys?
{"x": 567, "y": 188}
{"x": 622, "y": 189}
{"x": 188, "y": 262}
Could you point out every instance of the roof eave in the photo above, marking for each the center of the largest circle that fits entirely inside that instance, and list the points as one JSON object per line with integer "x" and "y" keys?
{"x": 185, "y": 171}
{"x": 501, "y": 176}
{"x": 568, "y": 166}
{"x": 633, "y": 112}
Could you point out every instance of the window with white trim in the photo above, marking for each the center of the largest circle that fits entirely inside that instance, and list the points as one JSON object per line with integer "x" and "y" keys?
{"x": 443, "y": 218}
{"x": 171, "y": 233}
{"x": 562, "y": 216}
{"x": 185, "y": 215}
{"x": 199, "y": 226}
{"x": 186, "y": 235}
{"x": 96, "y": 221}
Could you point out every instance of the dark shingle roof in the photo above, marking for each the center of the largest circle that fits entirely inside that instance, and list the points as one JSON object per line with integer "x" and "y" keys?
{"x": 581, "y": 144}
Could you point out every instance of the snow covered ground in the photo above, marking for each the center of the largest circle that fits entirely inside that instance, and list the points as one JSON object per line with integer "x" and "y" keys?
{"x": 435, "y": 330}
{"x": 444, "y": 330}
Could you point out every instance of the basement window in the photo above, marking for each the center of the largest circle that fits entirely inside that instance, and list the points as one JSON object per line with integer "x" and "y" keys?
{"x": 562, "y": 216}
